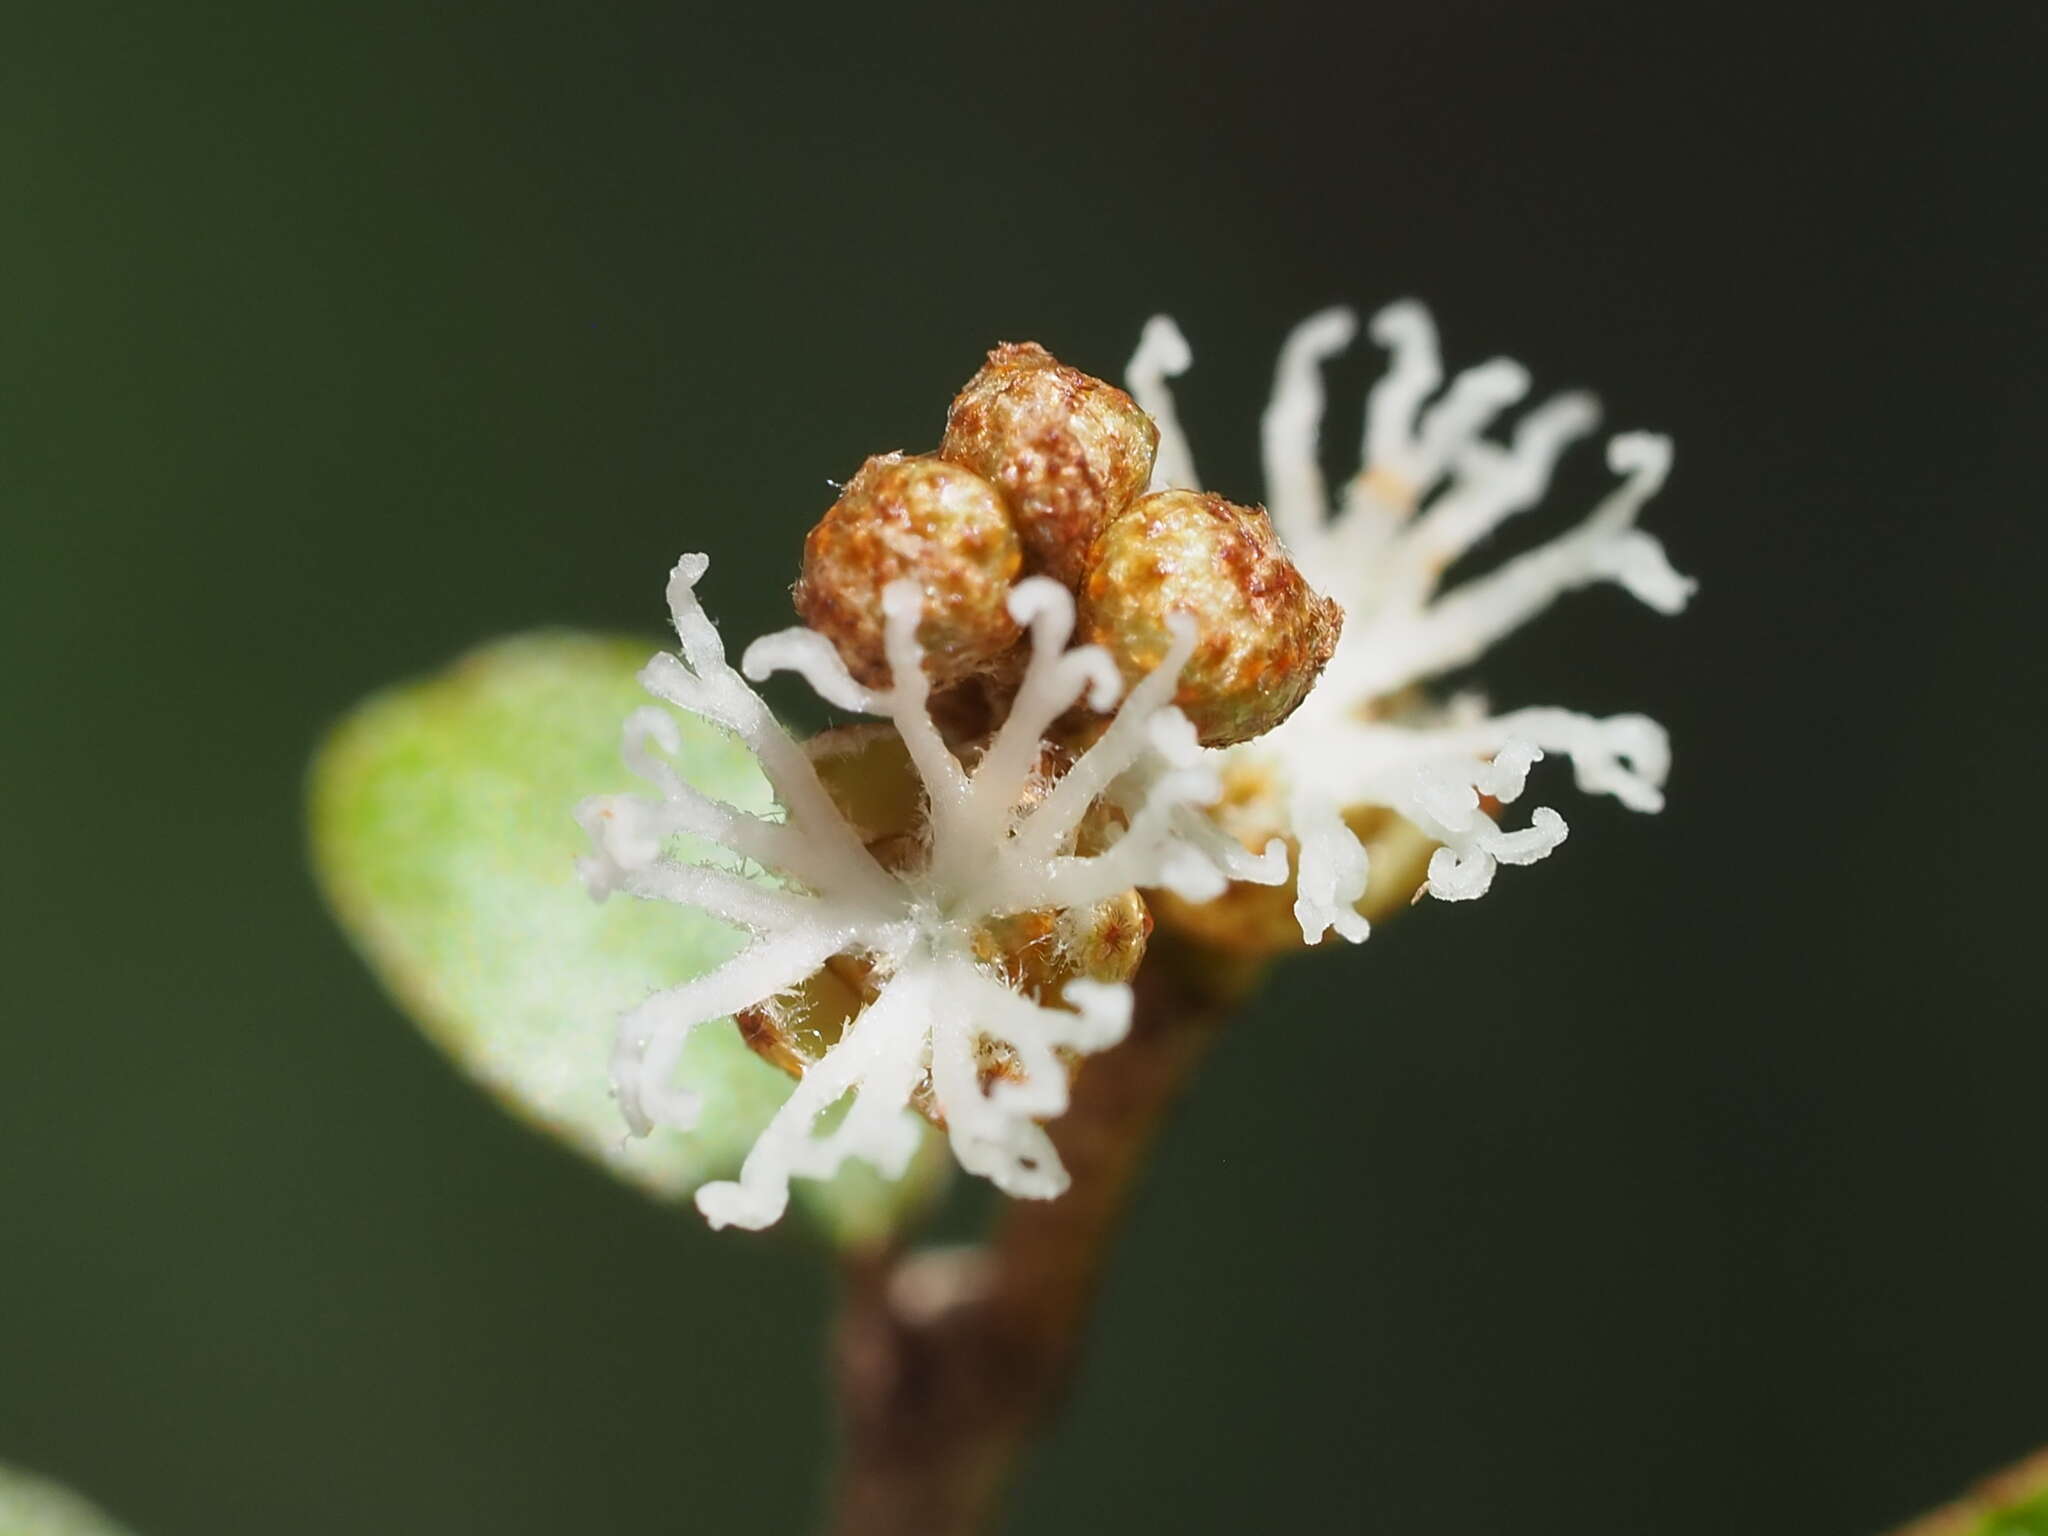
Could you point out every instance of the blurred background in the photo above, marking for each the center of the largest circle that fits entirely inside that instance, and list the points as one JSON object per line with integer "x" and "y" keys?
{"x": 1690, "y": 1182}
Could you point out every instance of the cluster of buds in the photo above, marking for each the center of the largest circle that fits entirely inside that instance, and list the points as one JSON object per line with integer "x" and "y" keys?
{"x": 1093, "y": 682}
{"x": 1047, "y": 471}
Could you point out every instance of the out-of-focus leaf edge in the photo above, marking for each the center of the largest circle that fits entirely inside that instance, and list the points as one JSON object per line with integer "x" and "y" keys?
{"x": 2011, "y": 1503}
{"x": 858, "y": 1209}
{"x": 35, "y": 1506}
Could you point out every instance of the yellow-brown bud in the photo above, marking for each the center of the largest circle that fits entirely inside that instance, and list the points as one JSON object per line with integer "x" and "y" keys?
{"x": 941, "y": 525}
{"x": 1068, "y": 450}
{"x": 1262, "y": 636}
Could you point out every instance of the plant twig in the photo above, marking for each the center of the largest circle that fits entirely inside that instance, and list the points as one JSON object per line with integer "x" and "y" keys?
{"x": 949, "y": 1361}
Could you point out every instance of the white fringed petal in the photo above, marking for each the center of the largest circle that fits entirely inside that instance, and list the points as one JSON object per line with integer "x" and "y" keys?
{"x": 937, "y": 1011}
{"x": 1431, "y": 487}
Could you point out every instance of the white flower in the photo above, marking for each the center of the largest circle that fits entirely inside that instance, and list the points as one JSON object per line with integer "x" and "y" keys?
{"x": 1431, "y": 487}
{"x": 989, "y": 849}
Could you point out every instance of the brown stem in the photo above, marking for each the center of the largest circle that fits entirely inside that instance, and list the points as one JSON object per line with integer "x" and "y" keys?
{"x": 950, "y": 1360}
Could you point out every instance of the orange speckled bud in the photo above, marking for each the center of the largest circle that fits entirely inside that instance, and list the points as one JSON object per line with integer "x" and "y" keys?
{"x": 1262, "y": 636}
{"x": 939, "y": 524}
{"x": 1068, "y": 450}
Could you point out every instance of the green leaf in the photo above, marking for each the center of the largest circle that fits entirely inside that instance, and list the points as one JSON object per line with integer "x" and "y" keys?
{"x": 442, "y": 837}
{"x": 2011, "y": 1503}
{"x": 29, "y": 1506}
{"x": 2029, "y": 1517}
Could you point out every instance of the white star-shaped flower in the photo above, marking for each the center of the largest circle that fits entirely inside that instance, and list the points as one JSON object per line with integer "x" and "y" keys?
{"x": 1432, "y": 486}
{"x": 988, "y": 849}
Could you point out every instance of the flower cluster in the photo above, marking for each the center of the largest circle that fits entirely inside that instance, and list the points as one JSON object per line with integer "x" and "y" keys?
{"x": 946, "y": 910}
{"x": 1366, "y": 743}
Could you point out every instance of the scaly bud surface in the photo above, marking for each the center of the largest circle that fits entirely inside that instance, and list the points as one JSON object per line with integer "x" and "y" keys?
{"x": 936, "y": 523}
{"x": 1068, "y": 450}
{"x": 1262, "y": 636}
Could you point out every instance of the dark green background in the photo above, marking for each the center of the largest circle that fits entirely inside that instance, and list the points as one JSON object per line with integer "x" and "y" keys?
{"x": 1689, "y": 1183}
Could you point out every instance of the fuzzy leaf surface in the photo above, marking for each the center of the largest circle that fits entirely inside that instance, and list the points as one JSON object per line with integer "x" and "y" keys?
{"x": 443, "y": 839}
{"x": 33, "y": 1506}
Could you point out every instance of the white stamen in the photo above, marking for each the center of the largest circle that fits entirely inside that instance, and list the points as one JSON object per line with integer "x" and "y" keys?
{"x": 1163, "y": 353}
{"x": 1297, "y": 498}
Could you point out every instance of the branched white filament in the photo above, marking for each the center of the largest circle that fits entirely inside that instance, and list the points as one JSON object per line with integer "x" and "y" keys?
{"x": 1431, "y": 487}
{"x": 992, "y": 850}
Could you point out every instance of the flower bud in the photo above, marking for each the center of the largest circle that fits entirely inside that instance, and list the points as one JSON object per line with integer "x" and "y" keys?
{"x": 939, "y": 524}
{"x": 1262, "y": 636}
{"x": 1068, "y": 450}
